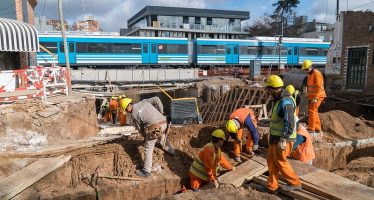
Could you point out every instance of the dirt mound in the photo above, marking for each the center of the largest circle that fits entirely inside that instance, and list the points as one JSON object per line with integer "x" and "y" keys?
{"x": 360, "y": 170}
{"x": 224, "y": 192}
{"x": 339, "y": 125}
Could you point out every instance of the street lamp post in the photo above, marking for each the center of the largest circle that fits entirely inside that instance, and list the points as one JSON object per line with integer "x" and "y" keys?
{"x": 280, "y": 39}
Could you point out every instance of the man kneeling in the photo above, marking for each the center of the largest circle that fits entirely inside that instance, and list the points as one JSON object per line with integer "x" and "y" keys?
{"x": 204, "y": 168}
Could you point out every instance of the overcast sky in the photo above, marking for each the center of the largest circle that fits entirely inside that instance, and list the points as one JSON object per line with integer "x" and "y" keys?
{"x": 113, "y": 14}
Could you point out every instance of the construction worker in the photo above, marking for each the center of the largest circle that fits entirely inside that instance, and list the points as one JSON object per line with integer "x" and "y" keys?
{"x": 302, "y": 149}
{"x": 295, "y": 94}
{"x": 240, "y": 118}
{"x": 316, "y": 95}
{"x": 107, "y": 112}
{"x": 282, "y": 136}
{"x": 121, "y": 113}
{"x": 204, "y": 168}
{"x": 151, "y": 123}
{"x": 113, "y": 105}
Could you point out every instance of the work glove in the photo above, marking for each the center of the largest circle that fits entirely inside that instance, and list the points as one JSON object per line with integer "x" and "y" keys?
{"x": 314, "y": 100}
{"x": 282, "y": 144}
{"x": 216, "y": 184}
{"x": 255, "y": 147}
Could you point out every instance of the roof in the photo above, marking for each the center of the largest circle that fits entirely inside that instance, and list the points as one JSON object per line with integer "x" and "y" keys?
{"x": 191, "y": 12}
{"x": 18, "y": 36}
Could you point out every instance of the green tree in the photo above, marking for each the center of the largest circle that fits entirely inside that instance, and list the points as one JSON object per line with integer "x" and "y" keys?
{"x": 285, "y": 6}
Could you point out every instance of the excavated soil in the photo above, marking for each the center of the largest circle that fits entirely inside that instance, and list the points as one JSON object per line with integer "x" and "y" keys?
{"x": 226, "y": 192}
{"x": 360, "y": 170}
{"x": 338, "y": 125}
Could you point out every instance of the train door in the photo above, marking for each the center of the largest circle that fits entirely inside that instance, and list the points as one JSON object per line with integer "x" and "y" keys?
{"x": 71, "y": 53}
{"x": 232, "y": 54}
{"x": 293, "y": 56}
{"x": 149, "y": 53}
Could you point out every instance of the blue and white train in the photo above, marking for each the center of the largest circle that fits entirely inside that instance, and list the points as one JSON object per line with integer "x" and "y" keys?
{"x": 117, "y": 51}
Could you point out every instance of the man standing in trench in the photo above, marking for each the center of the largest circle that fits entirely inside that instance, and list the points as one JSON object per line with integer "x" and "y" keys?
{"x": 282, "y": 136}
{"x": 151, "y": 123}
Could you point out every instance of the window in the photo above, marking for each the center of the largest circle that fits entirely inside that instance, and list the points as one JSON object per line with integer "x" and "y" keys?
{"x": 248, "y": 50}
{"x": 211, "y": 49}
{"x": 231, "y": 21}
{"x": 94, "y": 47}
{"x": 145, "y": 48}
{"x": 125, "y": 48}
{"x": 185, "y": 20}
{"x": 235, "y": 50}
{"x": 309, "y": 51}
{"x": 228, "y": 51}
{"x": 197, "y": 20}
{"x": 71, "y": 47}
{"x": 172, "y": 48}
{"x": 153, "y": 48}
{"x": 50, "y": 46}
{"x": 209, "y": 21}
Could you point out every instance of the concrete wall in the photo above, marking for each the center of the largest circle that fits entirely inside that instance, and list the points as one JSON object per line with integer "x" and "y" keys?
{"x": 133, "y": 75}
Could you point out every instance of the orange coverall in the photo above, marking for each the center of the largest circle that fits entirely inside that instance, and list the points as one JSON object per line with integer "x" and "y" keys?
{"x": 113, "y": 106}
{"x": 315, "y": 91}
{"x": 304, "y": 152}
{"x": 241, "y": 114}
{"x": 206, "y": 156}
{"x": 121, "y": 115}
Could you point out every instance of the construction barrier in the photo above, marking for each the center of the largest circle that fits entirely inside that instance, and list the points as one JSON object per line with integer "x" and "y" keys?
{"x": 33, "y": 82}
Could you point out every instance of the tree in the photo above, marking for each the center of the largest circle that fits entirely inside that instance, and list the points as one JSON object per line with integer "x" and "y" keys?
{"x": 285, "y": 6}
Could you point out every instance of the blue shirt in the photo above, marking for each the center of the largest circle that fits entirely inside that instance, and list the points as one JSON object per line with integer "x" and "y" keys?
{"x": 251, "y": 127}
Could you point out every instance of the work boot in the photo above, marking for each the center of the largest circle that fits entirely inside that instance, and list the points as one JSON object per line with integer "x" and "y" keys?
{"x": 238, "y": 159}
{"x": 264, "y": 189}
{"x": 142, "y": 173}
{"x": 289, "y": 188}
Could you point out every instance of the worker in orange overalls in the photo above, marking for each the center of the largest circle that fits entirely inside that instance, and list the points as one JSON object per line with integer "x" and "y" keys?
{"x": 113, "y": 106}
{"x": 240, "y": 118}
{"x": 121, "y": 114}
{"x": 107, "y": 112}
{"x": 316, "y": 95}
{"x": 302, "y": 149}
{"x": 282, "y": 136}
{"x": 204, "y": 167}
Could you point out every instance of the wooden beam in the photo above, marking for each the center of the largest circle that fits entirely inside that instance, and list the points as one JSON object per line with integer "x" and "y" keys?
{"x": 239, "y": 98}
{"x": 211, "y": 114}
{"x": 246, "y": 97}
{"x": 19, "y": 181}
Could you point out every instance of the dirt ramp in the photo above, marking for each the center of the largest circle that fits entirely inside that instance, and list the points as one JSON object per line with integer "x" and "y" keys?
{"x": 33, "y": 124}
{"x": 339, "y": 126}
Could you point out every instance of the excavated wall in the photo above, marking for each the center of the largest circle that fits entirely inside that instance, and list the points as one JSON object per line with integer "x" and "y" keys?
{"x": 32, "y": 124}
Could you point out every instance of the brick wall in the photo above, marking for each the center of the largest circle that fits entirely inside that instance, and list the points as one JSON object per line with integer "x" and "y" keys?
{"x": 356, "y": 34}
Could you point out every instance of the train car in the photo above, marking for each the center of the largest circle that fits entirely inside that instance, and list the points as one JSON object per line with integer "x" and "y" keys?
{"x": 293, "y": 51}
{"x": 96, "y": 51}
{"x": 209, "y": 52}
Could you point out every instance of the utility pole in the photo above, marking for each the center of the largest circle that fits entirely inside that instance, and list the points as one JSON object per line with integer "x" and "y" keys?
{"x": 337, "y": 10}
{"x": 62, "y": 25}
{"x": 281, "y": 35}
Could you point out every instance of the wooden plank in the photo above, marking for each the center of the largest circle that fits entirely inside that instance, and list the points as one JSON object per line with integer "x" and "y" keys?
{"x": 253, "y": 97}
{"x": 19, "y": 181}
{"x": 244, "y": 172}
{"x": 246, "y": 97}
{"x": 228, "y": 96}
{"x": 294, "y": 194}
{"x": 211, "y": 115}
{"x": 329, "y": 184}
{"x": 239, "y": 98}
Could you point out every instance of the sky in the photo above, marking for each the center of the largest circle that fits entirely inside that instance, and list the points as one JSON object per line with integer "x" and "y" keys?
{"x": 113, "y": 14}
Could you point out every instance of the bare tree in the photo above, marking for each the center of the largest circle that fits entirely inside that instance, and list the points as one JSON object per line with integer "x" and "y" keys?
{"x": 285, "y": 6}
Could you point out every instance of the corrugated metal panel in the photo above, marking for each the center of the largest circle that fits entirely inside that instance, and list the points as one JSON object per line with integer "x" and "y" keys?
{"x": 184, "y": 112}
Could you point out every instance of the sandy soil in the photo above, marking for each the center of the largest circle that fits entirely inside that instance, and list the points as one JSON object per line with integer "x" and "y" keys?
{"x": 360, "y": 170}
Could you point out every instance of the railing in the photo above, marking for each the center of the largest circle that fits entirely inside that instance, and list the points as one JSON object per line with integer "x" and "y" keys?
{"x": 34, "y": 82}
{"x": 192, "y": 27}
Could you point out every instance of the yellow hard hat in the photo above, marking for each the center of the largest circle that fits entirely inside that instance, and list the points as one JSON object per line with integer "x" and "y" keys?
{"x": 113, "y": 97}
{"x": 125, "y": 102}
{"x": 231, "y": 126}
{"x": 219, "y": 134}
{"x": 290, "y": 89}
{"x": 306, "y": 64}
{"x": 274, "y": 81}
{"x": 120, "y": 97}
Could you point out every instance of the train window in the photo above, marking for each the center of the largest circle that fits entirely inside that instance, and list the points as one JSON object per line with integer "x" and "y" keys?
{"x": 309, "y": 51}
{"x": 243, "y": 50}
{"x": 153, "y": 48}
{"x": 228, "y": 50}
{"x": 81, "y": 47}
{"x": 121, "y": 48}
{"x": 323, "y": 52}
{"x": 62, "y": 50}
{"x": 211, "y": 49}
{"x": 99, "y": 47}
{"x": 50, "y": 46}
{"x": 289, "y": 52}
{"x": 71, "y": 47}
{"x": 236, "y": 50}
{"x": 145, "y": 48}
{"x": 172, "y": 48}
{"x": 135, "y": 48}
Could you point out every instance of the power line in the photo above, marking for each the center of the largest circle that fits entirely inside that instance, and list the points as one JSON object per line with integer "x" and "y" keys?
{"x": 43, "y": 7}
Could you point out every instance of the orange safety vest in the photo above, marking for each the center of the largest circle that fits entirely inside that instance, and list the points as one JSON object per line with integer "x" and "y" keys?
{"x": 242, "y": 113}
{"x": 198, "y": 167}
{"x": 315, "y": 85}
{"x": 113, "y": 105}
{"x": 304, "y": 152}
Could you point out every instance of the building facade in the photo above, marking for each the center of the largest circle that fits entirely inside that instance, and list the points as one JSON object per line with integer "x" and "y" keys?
{"x": 157, "y": 21}
{"x": 318, "y": 30}
{"x": 351, "y": 63}
{"x": 88, "y": 25}
{"x": 20, "y": 10}
{"x": 44, "y": 24}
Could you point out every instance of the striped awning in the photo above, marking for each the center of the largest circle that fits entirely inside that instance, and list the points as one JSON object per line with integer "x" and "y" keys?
{"x": 18, "y": 36}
